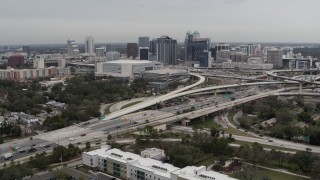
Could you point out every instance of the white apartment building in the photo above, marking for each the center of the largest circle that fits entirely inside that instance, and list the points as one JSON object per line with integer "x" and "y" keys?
{"x": 131, "y": 166}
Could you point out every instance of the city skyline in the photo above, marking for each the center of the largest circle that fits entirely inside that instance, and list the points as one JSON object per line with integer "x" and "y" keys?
{"x": 36, "y": 22}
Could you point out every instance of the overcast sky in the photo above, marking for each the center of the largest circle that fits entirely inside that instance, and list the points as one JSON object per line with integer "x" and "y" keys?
{"x": 54, "y": 21}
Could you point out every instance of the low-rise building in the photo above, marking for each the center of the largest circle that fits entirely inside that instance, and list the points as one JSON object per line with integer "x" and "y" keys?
{"x": 126, "y": 68}
{"x": 23, "y": 74}
{"x": 198, "y": 173}
{"x": 240, "y": 65}
{"x": 166, "y": 74}
{"x": 131, "y": 166}
{"x": 153, "y": 153}
{"x": 26, "y": 117}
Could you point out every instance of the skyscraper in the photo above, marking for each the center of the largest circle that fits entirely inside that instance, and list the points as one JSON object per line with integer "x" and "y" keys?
{"x": 167, "y": 50}
{"x": 197, "y": 50}
{"x": 132, "y": 50}
{"x": 72, "y": 49}
{"x": 144, "y": 41}
{"x": 274, "y": 56}
{"x": 153, "y": 46}
{"x": 110, "y": 48}
{"x": 144, "y": 53}
{"x": 26, "y": 49}
{"x": 222, "y": 52}
{"x": 89, "y": 45}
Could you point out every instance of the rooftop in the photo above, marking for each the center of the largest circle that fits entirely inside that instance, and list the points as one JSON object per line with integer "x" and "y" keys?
{"x": 124, "y": 61}
{"x": 200, "y": 173}
{"x": 167, "y": 71}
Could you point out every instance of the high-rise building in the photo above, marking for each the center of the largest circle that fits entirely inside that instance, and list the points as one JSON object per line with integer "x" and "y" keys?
{"x": 274, "y": 56}
{"x": 26, "y": 49}
{"x": 144, "y": 53}
{"x": 222, "y": 46}
{"x": 132, "y": 50}
{"x": 167, "y": 50}
{"x": 100, "y": 51}
{"x": 251, "y": 48}
{"x": 72, "y": 49}
{"x": 144, "y": 42}
{"x": 238, "y": 57}
{"x": 16, "y": 61}
{"x": 110, "y": 48}
{"x": 153, "y": 46}
{"x": 222, "y": 52}
{"x": 197, "y": 50}
{"x": 89, "y": 45}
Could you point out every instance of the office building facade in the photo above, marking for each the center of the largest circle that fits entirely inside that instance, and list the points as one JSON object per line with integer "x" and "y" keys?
{"x": 72, "y": 49}
{"x": 16, "y": 61}
{"x": 166, "y": 50}
{"x": 274, "y": 56}
{"x": 197, "y": 50}
{"x": 89, "y": 46}
{"x": 144, "y": 53}
{"x": 144, "y": 41}
{"x": 132, "y": 50}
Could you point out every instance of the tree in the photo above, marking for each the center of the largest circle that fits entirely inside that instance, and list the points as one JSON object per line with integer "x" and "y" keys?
{"x": 284, "y": 116}
{"x": 214, "y": 132}
{"x": 315, "y": 171}
{"x": 40, "y": 161}
{"x": 253, "y": 153}
{"x": 305, "y": 117}
{"x": 303, "y": 160}
{"x": 248, "y": 173}
{"x": 87, "y": 145}
{"x": 109, "y": 137}
{"x": 278, "y": 155}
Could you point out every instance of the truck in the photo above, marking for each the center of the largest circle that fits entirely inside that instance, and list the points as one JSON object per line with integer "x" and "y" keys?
{"x": 7, "y": 156}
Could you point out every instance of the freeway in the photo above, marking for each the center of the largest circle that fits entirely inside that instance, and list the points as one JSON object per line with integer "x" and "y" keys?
{"x": 274, "y": 74}
{"x": 151, "y": 102}
{"x": 255, "y": 78}
{"x": 180, "y": 92}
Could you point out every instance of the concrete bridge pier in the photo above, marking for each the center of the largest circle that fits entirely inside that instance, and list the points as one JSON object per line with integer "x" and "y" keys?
{"x": 300, "y": 87}
{"x": 185, "y": 122}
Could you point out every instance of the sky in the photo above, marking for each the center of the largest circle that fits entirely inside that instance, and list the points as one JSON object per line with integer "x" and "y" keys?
{"x": 110, "y": 21}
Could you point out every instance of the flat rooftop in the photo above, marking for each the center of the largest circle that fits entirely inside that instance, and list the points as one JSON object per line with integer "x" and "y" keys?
{"x": 167, "y": 71}
{"x": 129, "y": 61}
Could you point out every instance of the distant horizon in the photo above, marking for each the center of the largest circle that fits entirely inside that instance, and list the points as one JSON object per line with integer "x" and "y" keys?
{"x": 179, "y": 42}
{"x": 53, "y": 22}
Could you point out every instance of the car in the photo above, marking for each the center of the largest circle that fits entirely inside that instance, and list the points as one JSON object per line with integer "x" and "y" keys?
{"x": 270, "y": 140}
{"x": 97, "y": 143}
{"x": 308, "y": 149}
{"x": 42, "y": 146}
{"x": 78, "y": 143}
{"x": 72, "y": 139}
{"x": 246, "y": 131}
{"x": 16, "y": 148}
{"x": 86, "y": 123}
{"x": 32, "y": 150}
{"x": 33, "y": 145}
{"x": 134, "y": 122}
{"x": 117, "y": 127}
{"x": 84, "y": 134}
{"x": 22, "y": 151}
{"x": 281, "y": 145}
{"x": 47, "y": 146}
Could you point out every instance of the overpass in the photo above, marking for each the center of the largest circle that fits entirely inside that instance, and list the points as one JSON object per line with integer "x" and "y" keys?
{"x": 154, "y": 101}
{"x": 178, "y": 93}
{"x": 236, "y": 77}
{"x": 274, "y": 74}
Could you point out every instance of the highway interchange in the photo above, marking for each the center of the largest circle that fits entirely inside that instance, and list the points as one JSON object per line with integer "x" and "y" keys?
{"x": 132, "y": 118}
